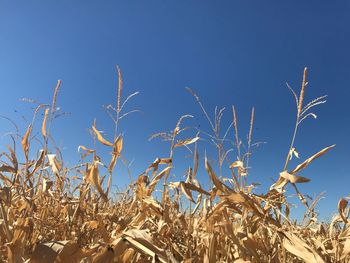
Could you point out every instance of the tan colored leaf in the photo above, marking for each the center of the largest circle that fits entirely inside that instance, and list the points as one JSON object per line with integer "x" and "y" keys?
{"x": 237, "y": 164}
{"x": 141, "y": 241}
{"x": 186, "y": 192}
{"x": 43, "y": 126}
{"x": 54, "y": 163}
{"x": 221, "y": 186}
{"x": 294, "y": 178}
{"x": 141, "y": 186}
{"x": 46, "y": 185}
{"x": 186, "y": 189}
{"x": 342, "y": 204}
{"x": 195, "y": 188}
{"x": 211, "y": 252}
{"x": 153, "y": 204}
{"x": 87, "y": 151}
{"x": 186, "y": 142}
{"x": 25, "y": 141}
{"x": 309, "y": 160}
{"x": 16, "y": 248}
{"x": 156, "y": 179}
{"x": 94, "y": 179}
{"x": 7, "y": 168}
{"x": 100, "y": 137}
{"x": 299, "y": 248}
{"x": 39, "y": 162}
{"x": 346, "y": 248}
{"x": 196, "y": 158}
{"x": 117, "y": 148}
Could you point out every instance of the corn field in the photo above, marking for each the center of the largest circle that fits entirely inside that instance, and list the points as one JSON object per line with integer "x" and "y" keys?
{"x": 52, "y": 213}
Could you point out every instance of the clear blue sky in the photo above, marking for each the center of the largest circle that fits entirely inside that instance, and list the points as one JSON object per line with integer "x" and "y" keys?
{"x": 230, "y": 52}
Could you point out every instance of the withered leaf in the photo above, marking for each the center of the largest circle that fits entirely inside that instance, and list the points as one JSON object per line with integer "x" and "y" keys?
{"x": 43, "y": 126}
{"x": 294, "y": 178}
{"x": 309, "y": 160}
{"x": 25, "y": 141}
{"x": 342, "y": 204}
{"x": 186, "y": 142}
{"x": 100, "y": 137}
{"x": 93, "y": 178}
{"x": 221, "y": 186}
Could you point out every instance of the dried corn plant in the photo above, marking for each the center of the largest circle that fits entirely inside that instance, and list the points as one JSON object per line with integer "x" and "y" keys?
{"x": 53, "y": 213}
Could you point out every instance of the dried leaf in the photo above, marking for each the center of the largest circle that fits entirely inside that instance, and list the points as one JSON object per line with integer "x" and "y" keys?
{"x": 186, "y": 142}
{"x": 100, "y": 137}
{"x": 55, "y": 165}
{"x": 43, "y": 126}
{"x": 342, "y": 204}
{"x": 117, "y": 148}
{"x": 237, "y": 164}
{"x": 141, "y": 241}
{"x": 299, "y": 248}
{"x": 39, "y": 162}
{"x": 25, "y": 141}
{"x": 87, "y": 151}
{"x": 293, "y": 178}
{"x": 156, "y": 179}
{"x": 221, "y": 186}
{"x": 94, "y": 179}
{"x": 309, "y": 160}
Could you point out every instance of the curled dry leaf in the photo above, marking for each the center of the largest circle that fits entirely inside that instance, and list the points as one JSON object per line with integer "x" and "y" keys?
{"x": 309, "y": 160}
{"x": 93, "y": 177}
{"x": 186, "y": 188}
{"x": 186, "y": 142}
{"x": 43, "y": 126}
{"x": 237, "y": 164}
{"x": 342, "y": 204}
{"x": 294, "y": 178}
{"x": 100, "y": 137}
{"x": 156, "y": 179}
{"x": 346, "y": 248}
{"x": 142, "y": 242}
{"x": 47, "y": 184}
{"x": 25, "y": 141}
{"x": 55, "y": 164}
{"x": 281, "y": 182}
{"x": 39, "y": 162}
{"x": 117, "y": 149}
{"x": 221, "y": 186}
{"x": 298, "y": 247}
{"x": 86, "y": 150}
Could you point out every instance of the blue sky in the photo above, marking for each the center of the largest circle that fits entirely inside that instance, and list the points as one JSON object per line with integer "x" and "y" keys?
{"x": 230, "y": 52}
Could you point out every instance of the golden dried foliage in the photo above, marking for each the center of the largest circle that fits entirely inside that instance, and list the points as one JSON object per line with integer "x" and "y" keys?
{"x": 51, "y": 213}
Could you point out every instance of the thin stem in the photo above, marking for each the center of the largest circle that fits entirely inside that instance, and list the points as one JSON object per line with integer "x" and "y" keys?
{"x": 299, "y": 106}
{"x": 292, "y": 143}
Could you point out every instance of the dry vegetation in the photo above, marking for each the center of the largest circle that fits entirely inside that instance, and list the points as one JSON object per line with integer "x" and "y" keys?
{"x": 52, "y": 213}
